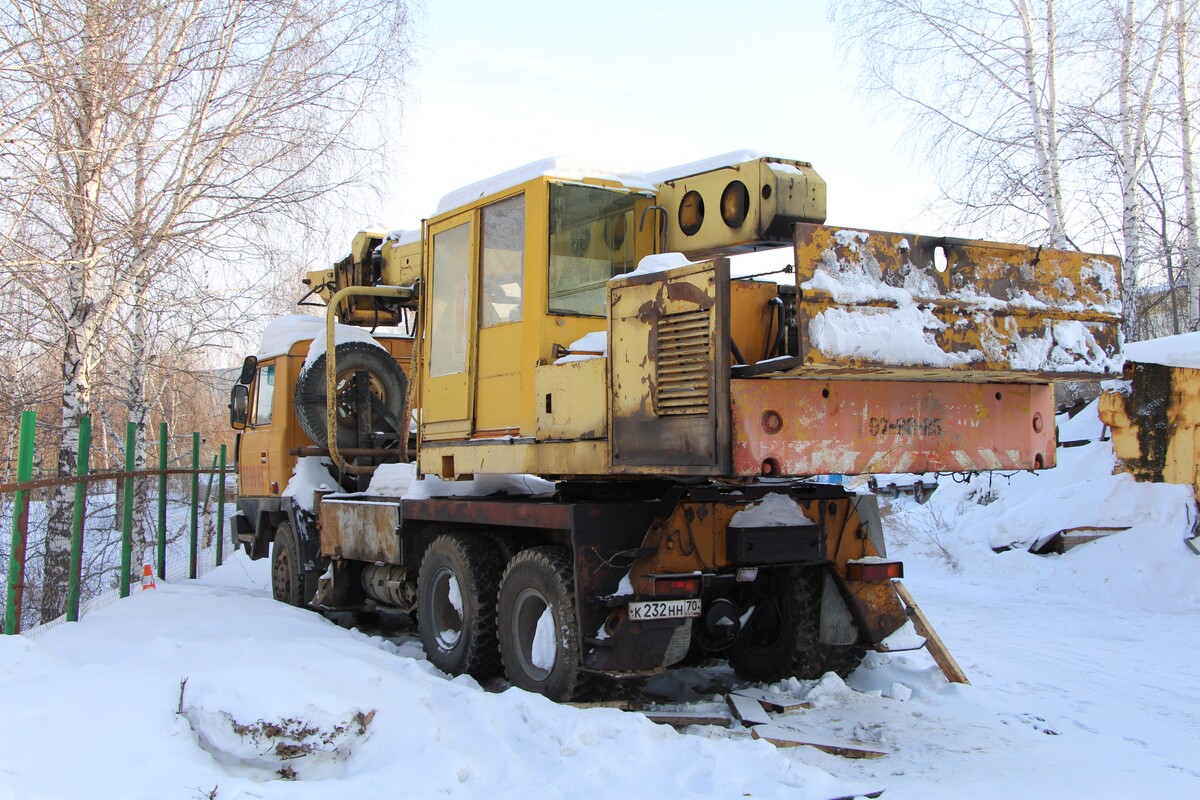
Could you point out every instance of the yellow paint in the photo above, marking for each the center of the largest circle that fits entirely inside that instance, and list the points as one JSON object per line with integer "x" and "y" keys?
{"x": 572, "y": 400}
{"x": 549, "y": 459}
{"x": 752, "y": 317}
{"x": 778, "y": 192}
{"x": 496, "y": 394}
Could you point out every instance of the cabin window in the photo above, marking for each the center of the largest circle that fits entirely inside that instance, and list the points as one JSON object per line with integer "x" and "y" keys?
{"x": 449, "y": 305}
{"x": 502, "y": 262}
{"x": 264, "y": 396}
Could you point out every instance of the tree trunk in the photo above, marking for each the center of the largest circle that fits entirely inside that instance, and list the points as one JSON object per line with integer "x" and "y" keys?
{"x": 1044, "y": 119}
{"x": 76, "y": 402}
{"x": 1191, "y": 253}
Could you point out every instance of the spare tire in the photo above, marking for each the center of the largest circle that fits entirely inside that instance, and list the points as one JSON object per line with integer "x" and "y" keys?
{"x": 386, "y": 381}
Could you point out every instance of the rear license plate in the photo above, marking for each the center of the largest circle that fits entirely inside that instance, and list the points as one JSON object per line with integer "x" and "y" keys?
{"x": 665, "y": 609}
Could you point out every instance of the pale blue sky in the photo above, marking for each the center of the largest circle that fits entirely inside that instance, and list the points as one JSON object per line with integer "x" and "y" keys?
{"x": 643, "y": 85}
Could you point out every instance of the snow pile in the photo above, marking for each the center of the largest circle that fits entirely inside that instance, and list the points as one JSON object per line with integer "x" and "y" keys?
{"x": 1148, "y": 565}
{"x": 902, "y": 336}
{"x": 341, "y": 335}
{"x": 280, "y": 703}
{"x": 401, "y": 237}
{"x": 1170, "y": 351}
{"x": 660, "y": 262}
{"x": 590, "y": 345}
{"x": 775, "y": 510}
{"x": 400, "y": 480}
{"x": 310, "y": 475}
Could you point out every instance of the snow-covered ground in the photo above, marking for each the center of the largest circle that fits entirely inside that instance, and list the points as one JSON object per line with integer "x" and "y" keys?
{"x": 1084, "y": 674}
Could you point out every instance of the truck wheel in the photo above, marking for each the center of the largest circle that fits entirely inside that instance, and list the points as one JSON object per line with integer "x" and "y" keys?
{"x": 539, "y": 632}
{"x": 456, "y": 605}
{"x": 287, "y": 570}
{"x": 782, "y": 639}
{"x": 386, "y": 381}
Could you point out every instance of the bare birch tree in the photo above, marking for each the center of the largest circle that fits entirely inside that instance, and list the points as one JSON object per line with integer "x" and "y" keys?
{"x": 152, "y": 132}
{"x": 1184, "y": 19}
{"x": 979, "y": 83}
{"x": 1139, "y": 73}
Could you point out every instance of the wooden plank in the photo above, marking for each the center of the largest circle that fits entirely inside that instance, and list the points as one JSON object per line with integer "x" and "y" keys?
{"x": 681, "y": 719}
{"x": 1067, "y": 538}
{"x": 621, "y": 705}
{"x": 781, "y": 736}
{"x": 773, "y": 701}
{"x": 747, "y": 709}
{"x": 933, "y": 642}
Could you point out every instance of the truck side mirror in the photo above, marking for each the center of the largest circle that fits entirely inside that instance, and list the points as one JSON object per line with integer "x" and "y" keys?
{"x": 239, "y": 405}
{"x": 248, "y": 367}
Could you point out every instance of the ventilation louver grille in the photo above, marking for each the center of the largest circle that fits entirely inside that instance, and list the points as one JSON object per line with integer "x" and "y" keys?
{"x": 684, "y": 363}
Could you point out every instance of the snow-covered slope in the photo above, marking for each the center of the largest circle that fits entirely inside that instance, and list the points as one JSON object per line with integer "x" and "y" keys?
{"x": 1085, "y": 684}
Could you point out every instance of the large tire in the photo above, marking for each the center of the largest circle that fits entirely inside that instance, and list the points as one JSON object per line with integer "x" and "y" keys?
{"x": 456, "y": 605}
{"x": 287, "y": 567}
{"x": 539, "y": 630}
{"x": 782, "y": 638}
{"x": 386, "y": 380}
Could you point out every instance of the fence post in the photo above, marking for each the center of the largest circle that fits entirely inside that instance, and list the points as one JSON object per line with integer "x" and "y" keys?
{"x": 127, "y": 518}
{"x": 193, "y": 552}
{"x": 16, "y": 554}
{"x": 221, "y": 506}
{"x": 80, "y": 511}
{"x": 162, "y": 500}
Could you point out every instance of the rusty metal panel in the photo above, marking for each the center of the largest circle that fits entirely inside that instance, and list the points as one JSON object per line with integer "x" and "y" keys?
{"x": 361, "y": 530}
{"x": 873, "y": 301}
{"x": 668, "y": 358}
{"x": 571, "y": 400}
{"x": 519, "y": 512}
{"x": 1155, "y": 423}
{"x": 808, "y": 427}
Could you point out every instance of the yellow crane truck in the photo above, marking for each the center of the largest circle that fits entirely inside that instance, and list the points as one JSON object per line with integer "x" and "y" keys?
{"x": 584, "y": 327}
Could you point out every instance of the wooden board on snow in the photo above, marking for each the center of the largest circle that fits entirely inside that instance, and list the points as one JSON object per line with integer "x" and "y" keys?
{"x": 622, "y": 705}
{"x": 773, "y": 701}
{"x": 747, "y": 709}
{"x": 681, "y": 719}
{"x": 781, "y": 736}
{"x": 933, "y": 642}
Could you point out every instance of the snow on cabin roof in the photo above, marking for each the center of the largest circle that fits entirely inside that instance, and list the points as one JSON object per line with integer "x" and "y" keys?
{"x": 575, "y": 169}
{"x": 564, "y": 168}
{"x": 1170, "y": 351}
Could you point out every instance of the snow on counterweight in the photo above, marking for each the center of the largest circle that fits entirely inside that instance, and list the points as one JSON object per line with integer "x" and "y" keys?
{"x": 871, "y": 299}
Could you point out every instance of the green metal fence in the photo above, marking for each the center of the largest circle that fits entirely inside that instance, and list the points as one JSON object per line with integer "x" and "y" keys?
{"x": 24, "y": 485}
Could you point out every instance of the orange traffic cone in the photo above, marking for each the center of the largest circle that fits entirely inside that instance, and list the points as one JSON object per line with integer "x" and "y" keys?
{"x": 147, "y": 578}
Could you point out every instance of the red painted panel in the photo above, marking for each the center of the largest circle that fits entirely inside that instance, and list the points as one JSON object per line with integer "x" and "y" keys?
{"x": 854, "y": 427}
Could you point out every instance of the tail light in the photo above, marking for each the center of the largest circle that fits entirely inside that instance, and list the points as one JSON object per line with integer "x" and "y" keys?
{"x": 873, "y": 570}
{"x": 677, "y": 586}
